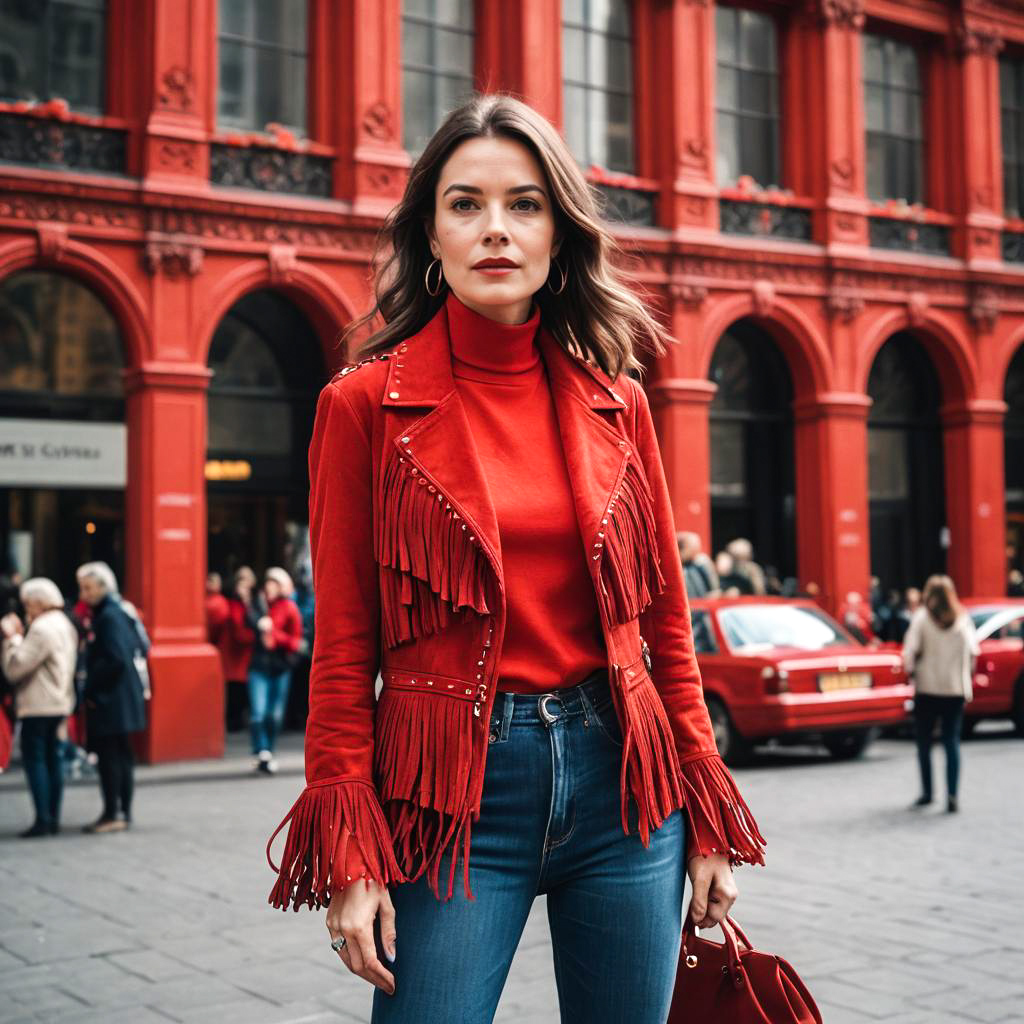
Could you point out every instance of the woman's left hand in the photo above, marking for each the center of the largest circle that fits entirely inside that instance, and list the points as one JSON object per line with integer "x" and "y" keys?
{"x": 714, "y": 891}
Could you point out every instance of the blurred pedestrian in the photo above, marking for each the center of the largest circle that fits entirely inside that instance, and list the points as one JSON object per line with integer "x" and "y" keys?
{"x": 900, "y": 621}
{"x": 274, "y": 618}
{"x": 114, "y": 698}
{"x": 742, "y": 552}
{"x": 855, "y": 615}
{"x": 40, "y": 664}
{"x": 1015, "y": 583}
{"x": 698, "y": 570}
{"x": 235, "y": 645}
{"x": 730, "y": 582}
{"x": 939, "y": 652}
{"x": 217, "y": 607}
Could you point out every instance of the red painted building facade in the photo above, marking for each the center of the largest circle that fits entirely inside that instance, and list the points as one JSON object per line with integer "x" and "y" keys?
{"x": 847, "y": 387}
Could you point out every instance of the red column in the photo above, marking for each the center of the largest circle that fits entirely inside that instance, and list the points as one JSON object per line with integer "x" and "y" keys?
{"x": 975, "y": 508}
{"x": 832, "y": 515}
{"x": 680, "y": 409}
{"x": 166, "y": 557}
{"x": 366, "y": 44}
{"x": 834, "y": 120}
{"x": 681, "y": 39}
{"x": 519, "y": 49}
{"x": 979, "y": 188}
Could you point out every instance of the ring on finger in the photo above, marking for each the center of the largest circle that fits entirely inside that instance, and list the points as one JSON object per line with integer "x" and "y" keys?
{"x": 339, "y": 943}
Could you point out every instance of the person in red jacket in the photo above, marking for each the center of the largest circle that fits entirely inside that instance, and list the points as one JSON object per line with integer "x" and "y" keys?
{"x": 274, "y": 620}
{"x": 234, "y": 642}
{"x": 492, "y": 535}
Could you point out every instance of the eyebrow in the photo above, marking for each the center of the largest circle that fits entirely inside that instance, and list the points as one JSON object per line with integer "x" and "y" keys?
{"x": 517, "y": 190}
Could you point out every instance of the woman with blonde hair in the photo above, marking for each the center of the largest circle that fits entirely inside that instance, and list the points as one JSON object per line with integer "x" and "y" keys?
{"x": 492, "y": 534}
{"x": 939, "y": 652}
{"x": 40, "y": 664}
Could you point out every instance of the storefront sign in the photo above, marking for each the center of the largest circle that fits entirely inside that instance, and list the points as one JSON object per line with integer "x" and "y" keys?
{"x": 62, "y": 453}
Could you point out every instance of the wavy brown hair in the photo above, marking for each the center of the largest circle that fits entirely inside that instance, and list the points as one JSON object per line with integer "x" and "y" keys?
{"x": 940, "y": 599}
{"x": 597, "y": 316}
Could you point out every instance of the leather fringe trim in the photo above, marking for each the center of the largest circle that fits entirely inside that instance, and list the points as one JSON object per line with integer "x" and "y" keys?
{"x": 424, "y": 756}
{"x": 324, "y": 819}
{"x": 650, "y": 764}
{"x": 435, "y": 571}
{"x": 630, "y": 568}
{"x": 717, "y": 810}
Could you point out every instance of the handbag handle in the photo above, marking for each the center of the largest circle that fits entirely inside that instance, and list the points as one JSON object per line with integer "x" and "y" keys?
{"x": 731, "y": 930}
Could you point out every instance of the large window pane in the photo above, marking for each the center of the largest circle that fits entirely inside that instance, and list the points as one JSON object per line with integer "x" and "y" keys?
{"x": 1011, "y": 99}
{"x": 748, "y": 84}
{"x": 53, "y": 48}
{"x": 437, "y": 63}
{"x": 597, "y": 55}
{"x": 263, "y": 55}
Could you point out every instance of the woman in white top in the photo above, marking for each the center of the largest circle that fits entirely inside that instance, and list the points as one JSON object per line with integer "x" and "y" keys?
{"x": 939, "y": 653}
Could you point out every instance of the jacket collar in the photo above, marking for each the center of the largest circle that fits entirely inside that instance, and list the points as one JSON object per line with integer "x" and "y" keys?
{"x": 421, "y": 372}
{"x": 435, "y": 435}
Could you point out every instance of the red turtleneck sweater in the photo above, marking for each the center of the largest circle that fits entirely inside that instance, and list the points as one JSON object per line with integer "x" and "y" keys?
{"x": 553, "y": 632}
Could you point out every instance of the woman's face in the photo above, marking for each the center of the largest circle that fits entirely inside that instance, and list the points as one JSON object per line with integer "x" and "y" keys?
{"x": 272, "y": 590}
{"x": 492, "y": 202}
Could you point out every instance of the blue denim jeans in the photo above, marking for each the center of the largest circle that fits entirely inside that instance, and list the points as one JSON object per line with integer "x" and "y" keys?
{"x": 927, "y": 710}
{"x": 550, "y": 822}
{"x": 268, "y": 698}
{"x": 40, "y": 756}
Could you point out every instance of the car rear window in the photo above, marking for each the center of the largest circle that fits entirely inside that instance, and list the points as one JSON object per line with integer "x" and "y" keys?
{"x": 703, "y": 634}
{"x": 760, "y": 627}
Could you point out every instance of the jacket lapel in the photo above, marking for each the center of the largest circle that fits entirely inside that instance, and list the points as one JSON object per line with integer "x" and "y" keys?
{"x": 440, "y": 441}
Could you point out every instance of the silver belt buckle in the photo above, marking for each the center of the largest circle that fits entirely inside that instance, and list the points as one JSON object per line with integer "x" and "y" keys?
{"x": 542, "y": 708}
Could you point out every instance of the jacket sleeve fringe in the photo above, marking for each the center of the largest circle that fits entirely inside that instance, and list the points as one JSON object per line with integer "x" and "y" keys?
{"x": 327, "y": 819}
{"x": 720, "y": 820}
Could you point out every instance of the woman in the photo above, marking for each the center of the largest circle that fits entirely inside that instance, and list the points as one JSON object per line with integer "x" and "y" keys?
{"x": 273, "y": 617}
{"x": 489, "y": 521}
{"x": 40, "y": 664}
{"x": 939, "y": 651}
{"x": 115, "y": 704}
{"x": 234, "y": 642}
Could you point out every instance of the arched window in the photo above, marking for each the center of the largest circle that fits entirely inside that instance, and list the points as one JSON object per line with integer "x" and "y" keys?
{"x": 752, "y": 480}
{"x": 267, "y": 373}
{"x": 60, "y": 350}
{"x": 905, "y": 470}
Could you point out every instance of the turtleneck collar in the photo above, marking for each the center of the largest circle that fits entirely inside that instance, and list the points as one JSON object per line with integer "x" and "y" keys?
{"x": 484, "y": 349}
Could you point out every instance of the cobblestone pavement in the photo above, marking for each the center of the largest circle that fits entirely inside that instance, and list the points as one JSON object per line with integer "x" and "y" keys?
{"x": 889, "y": 914}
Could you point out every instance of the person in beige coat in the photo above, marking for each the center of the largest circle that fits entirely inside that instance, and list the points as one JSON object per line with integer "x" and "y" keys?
{"x": 939, "y": 651}
{"x": 40, "y": 664}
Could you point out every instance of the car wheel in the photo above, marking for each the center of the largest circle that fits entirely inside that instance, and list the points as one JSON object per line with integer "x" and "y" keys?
{"x": 848, "y": 744}
{"x": 732, "y": 747}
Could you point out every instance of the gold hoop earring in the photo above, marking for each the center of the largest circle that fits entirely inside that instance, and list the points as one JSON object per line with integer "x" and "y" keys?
{"x": 440, "y": 278}
{"x": 565, "y": 277}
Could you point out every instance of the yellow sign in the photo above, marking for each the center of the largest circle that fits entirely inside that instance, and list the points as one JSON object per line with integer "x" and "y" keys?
{"x": 225, "y": 469}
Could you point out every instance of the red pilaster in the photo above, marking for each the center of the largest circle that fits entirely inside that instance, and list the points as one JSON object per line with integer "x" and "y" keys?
{"x": 834, "y": 121}
{"x": 367, "y": 86}
{"x": 980, "y": 198}
{"x": 975, "y": 507}
{"x": 165, "y": 517}
{"x": 833, "y": 535}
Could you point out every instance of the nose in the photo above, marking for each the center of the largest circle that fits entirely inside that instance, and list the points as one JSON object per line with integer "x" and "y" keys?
{"x": 495, "y": 226}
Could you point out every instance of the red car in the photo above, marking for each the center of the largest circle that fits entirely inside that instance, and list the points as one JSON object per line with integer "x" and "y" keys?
{"x": 999, "y": 674}
{"x": 782, "y": 669}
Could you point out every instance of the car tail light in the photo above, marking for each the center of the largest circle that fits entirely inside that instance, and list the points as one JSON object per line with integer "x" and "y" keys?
{"x": 775, "y": 680}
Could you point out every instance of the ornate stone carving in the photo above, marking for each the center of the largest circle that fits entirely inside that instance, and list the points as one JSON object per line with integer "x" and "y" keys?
{"x": 378, "y": 122}
{"x": 177, "y": 89}
{"x": 848, "y": 14}
{"x": 917, "y": 308}
{"x": 687, "y": 293}
{"x": 177, "y": 156}
{"x": 52, "y": 240}
{"x": 176, "y": 257}
{"x": 283, "y": 261}
{"x": 977, "y": 40}
{"x": 764, "y": 297}
{"x": 841, "y": 172}
{"x": 984, "y": 308}
{"x": 694, "y": 155}
{"x": 66, "y": 210}
{"x": 844, "y": 305}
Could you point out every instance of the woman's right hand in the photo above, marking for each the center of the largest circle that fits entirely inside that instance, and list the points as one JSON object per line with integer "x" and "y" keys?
{"x": 352, "y": 913}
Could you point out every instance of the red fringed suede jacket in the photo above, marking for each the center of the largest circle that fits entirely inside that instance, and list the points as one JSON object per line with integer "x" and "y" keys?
{"x": 408, "y": 579}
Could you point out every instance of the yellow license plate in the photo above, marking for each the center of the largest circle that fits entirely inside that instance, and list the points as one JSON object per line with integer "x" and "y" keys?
{"x": 828, "y": 682}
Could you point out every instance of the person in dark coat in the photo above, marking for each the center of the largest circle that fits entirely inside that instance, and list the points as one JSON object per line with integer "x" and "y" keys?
{"x": 114, "y": 696}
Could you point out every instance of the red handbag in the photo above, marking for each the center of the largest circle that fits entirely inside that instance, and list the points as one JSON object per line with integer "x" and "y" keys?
{"x": 730, "y": 985}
